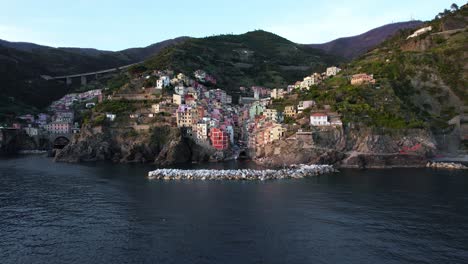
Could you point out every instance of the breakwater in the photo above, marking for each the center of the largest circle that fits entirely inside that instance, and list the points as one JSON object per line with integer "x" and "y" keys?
{"x": 446, "y": 165}
{"x": 294, "y": 172}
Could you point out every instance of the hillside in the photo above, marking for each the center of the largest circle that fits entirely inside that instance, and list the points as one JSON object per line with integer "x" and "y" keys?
{"x": 253, "y": 58}
{"x": 352, "y": 47}
{"x": 421, "y": 82}
{"x": 428, "y": 72}
{"x": 21, "y": 65}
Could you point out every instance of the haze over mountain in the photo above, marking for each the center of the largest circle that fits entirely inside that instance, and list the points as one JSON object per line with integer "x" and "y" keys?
{"x": 352, "y": 47}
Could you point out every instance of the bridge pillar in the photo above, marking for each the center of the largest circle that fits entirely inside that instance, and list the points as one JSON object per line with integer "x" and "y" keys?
{"x": 96, "y": 76}
{"x": 69, "y": 80}
{"x": 83, "y": 80}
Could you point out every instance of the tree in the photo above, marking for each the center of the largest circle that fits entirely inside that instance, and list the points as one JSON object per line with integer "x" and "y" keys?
{"x": 454, "y": 7}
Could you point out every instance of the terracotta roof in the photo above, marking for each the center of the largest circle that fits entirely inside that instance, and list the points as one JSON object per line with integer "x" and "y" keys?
{"x": 318, "y": 114}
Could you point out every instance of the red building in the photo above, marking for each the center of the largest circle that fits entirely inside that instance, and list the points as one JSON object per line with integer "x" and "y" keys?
{"x": 219, "y": 139}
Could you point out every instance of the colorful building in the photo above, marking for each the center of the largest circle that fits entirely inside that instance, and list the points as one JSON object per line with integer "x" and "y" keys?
{"x": 362, "y": 78}
{"x": 186, "y": 116}
{"x": 290, "y": 111}
{"x": 219, "y": 139}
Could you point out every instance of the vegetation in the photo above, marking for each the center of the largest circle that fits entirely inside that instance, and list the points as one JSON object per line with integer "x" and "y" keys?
{"x": 116, "y": 107}
{"x": 253, "y": 58}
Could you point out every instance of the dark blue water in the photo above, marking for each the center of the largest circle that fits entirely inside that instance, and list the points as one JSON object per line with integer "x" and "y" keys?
{"x": 104, "y": 213}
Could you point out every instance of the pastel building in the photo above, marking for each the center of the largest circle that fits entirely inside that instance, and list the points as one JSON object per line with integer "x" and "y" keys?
{"x": 186, "y": 116}
{"x": 58, "y": 127}
{"x": 177, "y": 99}
{"x": 201, "y": 132}
{"x": 273, "y": 115}
{"x": 304, "y": 105}
{"x": 277, "y": 93}
{"x": 290, "y": 111}
{"x": 277, "y": 132}
{"x": 255, "y": 109}
{"x": 362, "y": 78}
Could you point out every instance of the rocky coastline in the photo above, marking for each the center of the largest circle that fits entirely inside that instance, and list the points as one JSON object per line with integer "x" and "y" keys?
{"x": 295, "y": 172}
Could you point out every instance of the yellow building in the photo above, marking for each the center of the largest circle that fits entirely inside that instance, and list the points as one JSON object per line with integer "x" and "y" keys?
{"x": 277, "y": 132}
{"x": 290, "y": 111}
{"x": 186, "y": 116}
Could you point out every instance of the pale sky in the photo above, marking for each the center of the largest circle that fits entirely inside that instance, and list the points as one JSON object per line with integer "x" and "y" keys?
{"x": 121, "y": 24}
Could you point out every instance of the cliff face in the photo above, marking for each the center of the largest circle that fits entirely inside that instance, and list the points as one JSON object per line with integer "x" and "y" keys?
{"x": 362, "y": 148}
{"x": 163, "y": 146}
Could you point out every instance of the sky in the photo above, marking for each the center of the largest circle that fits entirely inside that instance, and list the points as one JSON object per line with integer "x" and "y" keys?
{"x": 120, "y": 24}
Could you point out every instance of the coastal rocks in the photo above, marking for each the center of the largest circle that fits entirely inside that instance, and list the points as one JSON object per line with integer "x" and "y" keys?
{"x": 296, "y": 172}
{"x": 163, "y": 145}
{"x": 176, "y": 151}
{"x": 382, "y": 161}
{"x": 355, "y": 147}
{"x": 446, "y": 165}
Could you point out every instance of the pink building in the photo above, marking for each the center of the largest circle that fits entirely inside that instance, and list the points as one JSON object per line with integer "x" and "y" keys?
{"x": 362, "y": 78}
{"x": 58, "y": 127}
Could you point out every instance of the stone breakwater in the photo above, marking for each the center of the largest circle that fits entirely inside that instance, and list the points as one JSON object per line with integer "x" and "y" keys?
{"x": 446, "y": 165}
{"x": 296, "y": 172}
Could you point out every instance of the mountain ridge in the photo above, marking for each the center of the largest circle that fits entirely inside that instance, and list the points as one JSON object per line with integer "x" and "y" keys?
{"x": 354, "y": 46}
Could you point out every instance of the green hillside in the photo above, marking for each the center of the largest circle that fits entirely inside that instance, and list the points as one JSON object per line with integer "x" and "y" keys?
{"x": 428, "y": 73}
{"x": 420, "y": 82}
{"x": 253, "y": 58}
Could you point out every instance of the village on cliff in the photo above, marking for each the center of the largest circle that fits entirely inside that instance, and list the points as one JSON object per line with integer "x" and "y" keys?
{"x": 204, "y": 113}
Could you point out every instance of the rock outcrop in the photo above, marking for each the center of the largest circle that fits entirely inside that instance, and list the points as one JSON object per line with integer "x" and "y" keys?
{"x": 162, "y": 145}
{"x": 358, "y": 148}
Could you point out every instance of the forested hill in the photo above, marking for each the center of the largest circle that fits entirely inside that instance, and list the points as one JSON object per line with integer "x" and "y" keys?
{"x": 253, "y": 58}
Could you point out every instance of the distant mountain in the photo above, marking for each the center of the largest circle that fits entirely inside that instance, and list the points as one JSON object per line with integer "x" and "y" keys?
{"x": 253, "y": 58}
{"x": 23, "y": 46}
{"x": 352, "y": 47}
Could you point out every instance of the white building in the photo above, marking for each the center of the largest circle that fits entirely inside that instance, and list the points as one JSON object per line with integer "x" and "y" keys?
{"x": 31, "y": 131}
{"x": 332, "y": 71}
{"x": 319, "y": 119}
{"x": 202, "y": 132}
{"x": 180, "y": 89}
{"x": 277, "y": 93}
{"x": 308, "y": 81}
{"x": 110, "y": 117}
{"x": 163, "y": 81}
{"x": 420, "y": 32}
{"x": 230, "y": 132}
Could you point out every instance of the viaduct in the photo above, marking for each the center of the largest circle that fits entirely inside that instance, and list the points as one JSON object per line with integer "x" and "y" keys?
{"x": 83, "y": 76}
